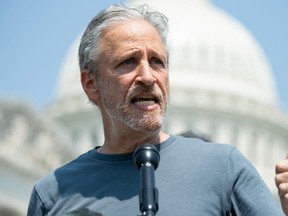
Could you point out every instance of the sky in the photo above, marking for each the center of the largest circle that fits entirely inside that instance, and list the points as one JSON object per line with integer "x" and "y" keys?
{"x": 36, "y": 35}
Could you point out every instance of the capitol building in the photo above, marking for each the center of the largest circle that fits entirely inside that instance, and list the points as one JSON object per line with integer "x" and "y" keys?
{"x": 222, "y": 88}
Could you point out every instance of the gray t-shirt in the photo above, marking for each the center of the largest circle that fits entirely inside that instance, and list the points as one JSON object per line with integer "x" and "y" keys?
{"x": 193, "y": 178}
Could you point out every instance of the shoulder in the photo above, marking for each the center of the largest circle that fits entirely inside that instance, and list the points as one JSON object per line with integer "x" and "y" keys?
{"x": 200, "y": 146}
{"x": 227, "y": 156}
{"x": 196, "y": 152}
{"x": 47, "y": 188}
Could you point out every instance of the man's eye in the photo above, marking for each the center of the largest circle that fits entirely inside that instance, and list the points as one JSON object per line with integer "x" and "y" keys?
{"x": 156, "y": 61}
{"x": 127, "y": 65}
{"x": 128, "y": 61}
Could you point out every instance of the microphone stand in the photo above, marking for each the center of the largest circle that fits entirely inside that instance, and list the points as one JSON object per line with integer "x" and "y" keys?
{"x": 146, "y": 158}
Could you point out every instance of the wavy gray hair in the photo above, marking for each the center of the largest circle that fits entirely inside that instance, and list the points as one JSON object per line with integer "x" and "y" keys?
{"x": 89, "y": 46}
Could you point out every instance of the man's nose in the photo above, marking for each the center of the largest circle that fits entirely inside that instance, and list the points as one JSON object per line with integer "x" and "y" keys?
{"x": 145, "y": 74}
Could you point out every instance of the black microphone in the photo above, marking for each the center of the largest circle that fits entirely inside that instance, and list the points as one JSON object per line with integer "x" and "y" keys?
{"x": 146, "y": 158}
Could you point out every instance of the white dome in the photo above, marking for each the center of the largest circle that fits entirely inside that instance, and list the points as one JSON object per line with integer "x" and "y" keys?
{"x": 69, "y": 84}
{"x": 209, "y": 51}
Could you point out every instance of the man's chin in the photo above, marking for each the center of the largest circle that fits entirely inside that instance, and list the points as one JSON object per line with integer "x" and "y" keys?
{"x": 148, "y": 126}
{"x": 144, "y": 122}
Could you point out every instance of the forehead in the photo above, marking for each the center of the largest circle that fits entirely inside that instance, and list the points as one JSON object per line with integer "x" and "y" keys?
{"x": 131, "y": 32}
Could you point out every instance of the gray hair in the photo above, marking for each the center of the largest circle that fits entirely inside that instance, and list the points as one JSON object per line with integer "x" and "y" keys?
{"x": 89, "y": 46}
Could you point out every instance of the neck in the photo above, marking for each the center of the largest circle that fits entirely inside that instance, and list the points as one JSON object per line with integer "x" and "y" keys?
{"x": 129, "y": 142}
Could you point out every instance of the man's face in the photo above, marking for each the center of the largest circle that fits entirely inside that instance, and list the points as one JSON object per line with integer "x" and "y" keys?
{"x": 133, "y": 76}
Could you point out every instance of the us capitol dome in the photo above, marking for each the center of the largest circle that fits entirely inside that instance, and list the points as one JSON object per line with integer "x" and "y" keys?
{"x": 222, "y": 87}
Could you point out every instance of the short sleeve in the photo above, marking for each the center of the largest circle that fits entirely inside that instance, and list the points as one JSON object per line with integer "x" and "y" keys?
{"x": 251, "y": 196}
{"x": 35, "y": 206}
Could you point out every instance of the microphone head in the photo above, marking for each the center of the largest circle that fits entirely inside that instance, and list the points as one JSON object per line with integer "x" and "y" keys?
{"x": 146, "y": 153}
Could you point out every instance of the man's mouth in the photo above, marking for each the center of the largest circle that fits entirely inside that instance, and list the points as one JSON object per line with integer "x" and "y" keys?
{"x": 144, "y": 100}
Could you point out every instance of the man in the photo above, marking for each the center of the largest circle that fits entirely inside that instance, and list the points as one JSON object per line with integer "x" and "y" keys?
{"x": 123, "y": 59}
{"x": 281, "y": 180}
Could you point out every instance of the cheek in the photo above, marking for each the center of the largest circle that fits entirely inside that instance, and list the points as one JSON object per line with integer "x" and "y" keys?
{"x": 118, "y": 88}
{"x": 126, "y": 81}
{"x": 163, "y": 83}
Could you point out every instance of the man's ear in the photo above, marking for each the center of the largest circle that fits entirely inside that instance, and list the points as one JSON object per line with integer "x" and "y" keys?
{"x": 90, "y": 86}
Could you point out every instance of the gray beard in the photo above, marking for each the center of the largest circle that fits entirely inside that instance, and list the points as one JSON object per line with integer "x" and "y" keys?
{"x": 142, "y": 122}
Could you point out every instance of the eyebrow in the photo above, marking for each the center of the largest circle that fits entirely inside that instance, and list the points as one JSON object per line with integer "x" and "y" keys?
{"x": 137, "y": 52}
{"x": 163, "y": 57}
{"x": 127, "y": 54}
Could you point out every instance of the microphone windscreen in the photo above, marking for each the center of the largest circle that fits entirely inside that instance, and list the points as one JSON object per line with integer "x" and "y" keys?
{"x": 147, "y": 153}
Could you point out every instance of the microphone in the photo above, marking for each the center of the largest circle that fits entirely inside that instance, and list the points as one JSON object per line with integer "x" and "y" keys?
{"x": 146, "y": 159}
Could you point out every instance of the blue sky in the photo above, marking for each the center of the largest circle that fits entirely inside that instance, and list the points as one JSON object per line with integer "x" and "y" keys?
{"x": 35, "y": 36}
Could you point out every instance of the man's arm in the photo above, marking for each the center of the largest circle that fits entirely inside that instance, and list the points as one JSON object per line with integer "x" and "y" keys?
{"x": 281, "y": 180}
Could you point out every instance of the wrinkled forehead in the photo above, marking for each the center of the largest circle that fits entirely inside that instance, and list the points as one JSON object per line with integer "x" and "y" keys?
{"x": 131, "y": 32}
{"x": 130, "y": 28}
